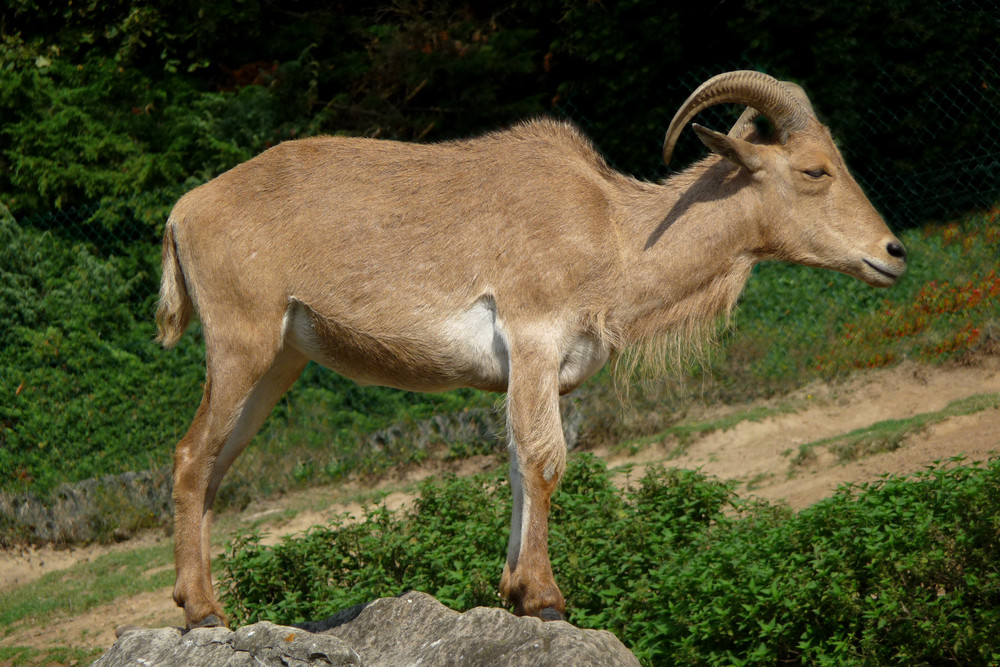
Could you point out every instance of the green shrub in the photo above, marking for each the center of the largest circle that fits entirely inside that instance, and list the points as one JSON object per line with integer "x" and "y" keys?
{"x": 896, "y": 572}
{"x": 340, "y": 565}
{"x": 87, "y": 391}
{"x": 901, "y": 571}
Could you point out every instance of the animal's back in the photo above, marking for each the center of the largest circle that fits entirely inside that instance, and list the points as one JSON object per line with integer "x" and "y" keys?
{"x": 520, "y": 210}
{"x": 366, "y": 247}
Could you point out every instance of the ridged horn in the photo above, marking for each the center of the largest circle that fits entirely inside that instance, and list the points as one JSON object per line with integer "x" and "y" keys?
{"x": 754, "y": 89}
{"x": 799, "y": 94}
{"x": 744, "y": 126}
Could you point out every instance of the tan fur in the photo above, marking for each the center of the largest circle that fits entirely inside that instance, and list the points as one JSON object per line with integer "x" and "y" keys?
{"x": 514, "y": 262}
{"x": 174, "y": 311}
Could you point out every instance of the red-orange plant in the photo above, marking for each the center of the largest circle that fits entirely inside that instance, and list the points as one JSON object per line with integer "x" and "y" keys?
{"x": 941, "y": 320}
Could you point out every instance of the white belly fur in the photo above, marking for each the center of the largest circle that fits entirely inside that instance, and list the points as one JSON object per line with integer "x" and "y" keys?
{"x": 582, "y": 357}
{"x": 475, "y": 341}
{"x": 478, "y": 339}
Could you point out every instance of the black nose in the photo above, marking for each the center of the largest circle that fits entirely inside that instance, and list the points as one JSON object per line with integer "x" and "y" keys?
{"x": 896, "y": 249}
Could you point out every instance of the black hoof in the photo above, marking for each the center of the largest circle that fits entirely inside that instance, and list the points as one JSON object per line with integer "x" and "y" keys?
{"x": 210, "y": 621}
{"x": 551, "y": 614}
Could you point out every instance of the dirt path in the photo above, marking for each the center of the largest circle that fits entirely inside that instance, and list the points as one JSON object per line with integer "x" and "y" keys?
{"x": 753, "y": 452}
{"x": 760, "y": 453}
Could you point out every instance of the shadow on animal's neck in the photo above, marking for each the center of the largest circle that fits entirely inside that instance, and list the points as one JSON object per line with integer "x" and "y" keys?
{"x": 711, "y": 180}
{"x": 693, "y": 265}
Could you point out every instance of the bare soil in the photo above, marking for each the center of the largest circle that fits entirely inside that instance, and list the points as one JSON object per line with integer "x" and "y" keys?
{"x": 758, "y": 454}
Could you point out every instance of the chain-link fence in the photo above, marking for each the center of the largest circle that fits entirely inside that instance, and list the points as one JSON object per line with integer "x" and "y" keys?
{"x": 958, "y": 121}
{"x": 903, "y": 149}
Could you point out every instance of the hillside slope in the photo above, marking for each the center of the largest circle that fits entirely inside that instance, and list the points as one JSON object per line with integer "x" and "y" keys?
{"x": 795, "y": 448}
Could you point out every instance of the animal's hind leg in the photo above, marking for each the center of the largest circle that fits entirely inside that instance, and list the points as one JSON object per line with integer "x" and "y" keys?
{"x": 238, "y": 397}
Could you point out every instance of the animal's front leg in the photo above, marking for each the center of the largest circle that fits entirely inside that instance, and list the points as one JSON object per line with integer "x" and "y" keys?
{"x": 537, "y": 461}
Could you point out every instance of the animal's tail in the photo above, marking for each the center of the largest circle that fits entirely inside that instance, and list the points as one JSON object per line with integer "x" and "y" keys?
{"x": 174, "y": 310}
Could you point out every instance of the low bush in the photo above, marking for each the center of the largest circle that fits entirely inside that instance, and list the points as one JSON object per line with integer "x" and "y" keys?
{"x": 902, "y": 571}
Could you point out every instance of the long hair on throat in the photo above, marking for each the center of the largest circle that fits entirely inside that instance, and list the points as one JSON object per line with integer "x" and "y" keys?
{"x": 668, "y": 343}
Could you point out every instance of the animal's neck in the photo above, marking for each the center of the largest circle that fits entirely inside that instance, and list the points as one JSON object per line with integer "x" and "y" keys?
{"x": 687, "y": 251}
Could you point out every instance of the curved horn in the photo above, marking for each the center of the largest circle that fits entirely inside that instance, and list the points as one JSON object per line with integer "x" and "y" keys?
{"x": 754, "y": 89}
{"x": 799, "y": 94}
{"x": 741, "y": 129}
{"x": 744, "y": 126}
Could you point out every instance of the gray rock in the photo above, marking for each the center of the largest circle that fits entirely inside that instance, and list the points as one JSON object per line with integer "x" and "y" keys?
{"x": 416, "y": 629}
{"x": 84, "y": 511}
{"x": 251, "y": 646}
{"x": 475, "y": 428}
{"x": 413, "y": 629}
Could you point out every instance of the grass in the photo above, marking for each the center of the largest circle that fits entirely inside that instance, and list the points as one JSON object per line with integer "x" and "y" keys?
{"x": 758, "y": 480}
{"x": 16, "y": 656}
{"x": 685, "y": 433}
{"x": 87, "y": 585}
{"x": 888, "y": 435}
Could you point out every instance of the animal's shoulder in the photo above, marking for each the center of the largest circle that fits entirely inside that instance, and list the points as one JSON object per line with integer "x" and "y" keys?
{"x": 556, "y": 133}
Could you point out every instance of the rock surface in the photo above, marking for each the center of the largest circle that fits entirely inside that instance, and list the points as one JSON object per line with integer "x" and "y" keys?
{"x": 78, "y": 513}
{"x": 409, "y": 630}
{"x": 259, "y": 644}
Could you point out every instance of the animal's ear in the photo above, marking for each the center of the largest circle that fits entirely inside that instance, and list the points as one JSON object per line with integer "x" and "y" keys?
{"x": 739, "y": 152}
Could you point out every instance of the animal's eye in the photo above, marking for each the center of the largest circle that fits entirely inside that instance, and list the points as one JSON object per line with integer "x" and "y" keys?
{"x": 816, "y": 173}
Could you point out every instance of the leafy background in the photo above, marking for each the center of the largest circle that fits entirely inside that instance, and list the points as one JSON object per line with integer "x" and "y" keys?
{"x": 112, "y": 109}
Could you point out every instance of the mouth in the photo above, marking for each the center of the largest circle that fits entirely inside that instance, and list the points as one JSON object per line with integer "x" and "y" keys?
{"x": 888, "y": 276}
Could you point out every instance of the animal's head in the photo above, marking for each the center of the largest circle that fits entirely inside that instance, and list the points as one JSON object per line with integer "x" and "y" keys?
{"x": 814, "y": 212}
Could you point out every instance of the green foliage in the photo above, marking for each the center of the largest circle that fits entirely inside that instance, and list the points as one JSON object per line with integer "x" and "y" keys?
{"x": 945, "y": 306}
{"x": 121, "y": 92}
{"x": 458, "y": 560}
{"x": 897, "y": 572}
{"x": 86, "y": 131}
{"x": 87, "y": 392}
{"x": 109, "y": 99}
{"x": 901, "y": 571}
